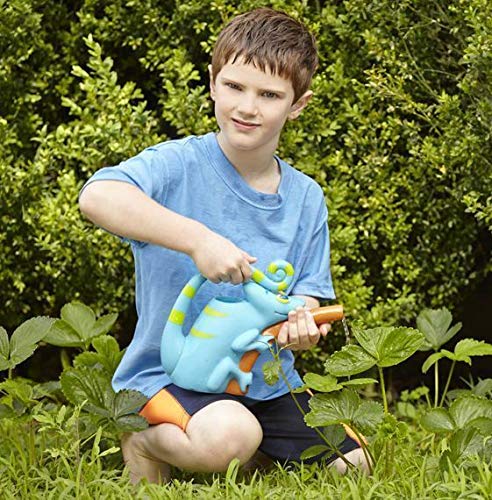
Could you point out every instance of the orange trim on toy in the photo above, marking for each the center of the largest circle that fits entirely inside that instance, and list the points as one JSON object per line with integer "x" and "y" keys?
{"x": 321, "y": 315}
{"x": 165, "y": 408}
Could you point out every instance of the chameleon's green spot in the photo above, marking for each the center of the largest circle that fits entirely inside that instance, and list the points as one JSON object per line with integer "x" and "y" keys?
{"x": 210, "y": 311}
{"x": 189, "y": 291}
{"x": 201, "y": 335}
{"x": 177, "y": 317}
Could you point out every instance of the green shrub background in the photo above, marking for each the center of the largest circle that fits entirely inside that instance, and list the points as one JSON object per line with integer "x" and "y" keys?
{"x": 398, "y": 134}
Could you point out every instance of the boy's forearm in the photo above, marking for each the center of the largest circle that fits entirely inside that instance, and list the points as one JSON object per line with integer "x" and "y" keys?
{"x": 127, "y": 211}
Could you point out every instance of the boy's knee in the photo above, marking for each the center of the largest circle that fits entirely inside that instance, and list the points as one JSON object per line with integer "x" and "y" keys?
{"x": 229, "y": 431}
{"x": 355, "y": 457}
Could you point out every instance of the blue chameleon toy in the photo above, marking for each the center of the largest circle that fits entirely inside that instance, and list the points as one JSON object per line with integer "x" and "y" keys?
{"x": 207, "y": 358}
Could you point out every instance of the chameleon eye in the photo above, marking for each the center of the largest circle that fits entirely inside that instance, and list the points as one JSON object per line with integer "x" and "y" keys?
{"x": 282, "y": 298}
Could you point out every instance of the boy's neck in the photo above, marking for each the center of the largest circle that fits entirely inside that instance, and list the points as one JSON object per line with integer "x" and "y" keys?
{"x": 259, "y": 168}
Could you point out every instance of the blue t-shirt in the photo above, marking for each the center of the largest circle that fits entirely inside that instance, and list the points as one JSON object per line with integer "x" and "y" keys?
{"x": 194, "y": 178}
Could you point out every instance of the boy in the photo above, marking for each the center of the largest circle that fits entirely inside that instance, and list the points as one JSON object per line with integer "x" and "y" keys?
{"x": 216, "y": 204}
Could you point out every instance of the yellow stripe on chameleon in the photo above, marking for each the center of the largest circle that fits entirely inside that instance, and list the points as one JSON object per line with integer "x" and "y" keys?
{"x": 257, "y": 276}
{"x": 272, "y": 268}
{"x": 289, "y": 270}
{"x": 189, "y": 291}
{"x": 210, "y": 311}
{"x": 201, "y": 335}
{"x": 177, "y": 317}
{"x": 282, "y": 286}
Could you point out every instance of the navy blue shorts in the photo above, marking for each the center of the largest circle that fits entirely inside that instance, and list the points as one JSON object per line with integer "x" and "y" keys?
{"x": 285, "y": 434}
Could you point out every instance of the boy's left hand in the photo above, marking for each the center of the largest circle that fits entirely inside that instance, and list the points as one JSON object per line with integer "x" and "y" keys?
{"x": 300, "y": 331}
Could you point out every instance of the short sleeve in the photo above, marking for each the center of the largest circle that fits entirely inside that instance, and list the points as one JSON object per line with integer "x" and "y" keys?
{"x": 315, "y": 275}
{"x": 147, "y": 171}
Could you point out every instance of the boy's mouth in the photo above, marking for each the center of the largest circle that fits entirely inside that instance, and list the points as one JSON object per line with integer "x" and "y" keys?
{"x": 241, "y": 124}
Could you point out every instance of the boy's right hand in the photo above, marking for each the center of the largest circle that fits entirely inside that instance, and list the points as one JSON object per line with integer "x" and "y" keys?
{"x": 219, "y": 260}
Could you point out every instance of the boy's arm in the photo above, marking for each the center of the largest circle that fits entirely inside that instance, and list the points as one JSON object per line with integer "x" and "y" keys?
{"x": 300, "y": 331}
{"x": 126, "y": 210}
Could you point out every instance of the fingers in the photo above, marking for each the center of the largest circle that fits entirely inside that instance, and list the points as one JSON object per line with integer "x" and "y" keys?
{"x": 300, "y": 330}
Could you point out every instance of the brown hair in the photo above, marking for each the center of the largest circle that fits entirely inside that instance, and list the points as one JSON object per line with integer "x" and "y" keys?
{"x": 269, "y": 39}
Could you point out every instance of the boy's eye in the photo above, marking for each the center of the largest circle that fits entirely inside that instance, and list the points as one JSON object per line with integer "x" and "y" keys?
{"x": 270, "y": 95}
{"x": 232, "y": 86}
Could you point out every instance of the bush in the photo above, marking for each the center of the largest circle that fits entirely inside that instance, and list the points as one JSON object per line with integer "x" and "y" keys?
{"x": 398, "y": 134}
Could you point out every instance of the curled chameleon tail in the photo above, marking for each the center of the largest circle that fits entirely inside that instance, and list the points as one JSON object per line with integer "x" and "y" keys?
{"x": 278, "y": 277}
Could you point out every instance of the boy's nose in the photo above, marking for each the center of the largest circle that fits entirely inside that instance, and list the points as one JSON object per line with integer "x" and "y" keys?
{"x": 247, "y": 106}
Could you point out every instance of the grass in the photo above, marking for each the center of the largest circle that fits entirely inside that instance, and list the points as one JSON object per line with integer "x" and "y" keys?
{"x": 31, "y": 468}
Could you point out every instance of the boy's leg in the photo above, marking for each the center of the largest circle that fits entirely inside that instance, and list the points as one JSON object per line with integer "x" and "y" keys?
{"x": 286, "y": 436}
{"x": 214, "y": 435}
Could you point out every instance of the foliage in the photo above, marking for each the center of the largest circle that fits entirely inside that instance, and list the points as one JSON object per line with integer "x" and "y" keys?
{"x": 397, "y": 134}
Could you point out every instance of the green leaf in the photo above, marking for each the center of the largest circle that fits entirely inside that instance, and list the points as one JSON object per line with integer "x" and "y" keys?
{"x": 471, "y": 347}
{"x": 369, "y": 415}
{"x": 103, "y": 325}
{"x": 271, "y": 370}
{"x": 91, "y": 386}
{"x": 434, "y": 324}
{"x": 321, "y": 383}
{"x": 24, "y": 340}
{"x": 483, "y": 388}
{"x": 483, "y": 424}
{"x": 107, "y": 355}
{"x": 350, "y": 360}
{"x": 390, "y": 346}
{"x": 438, "y": 420}
{"x": 463, "y": 443}
{"x": 4, "y": 349}
{"x": 465, "y": 409}
{"x": 397, "y": 345}
{"x": 80, "y": 317}
{"x": 127, "y": 402}
{"x": 63, "y": 335}
{"x": 335, "y": 434}
{"x": 431, "y": 360}
{"x": 131, "y": 423}
{"x": 356, "y": 382}
{"x": 314, "y": 451}
{"x": 332, "y": 408}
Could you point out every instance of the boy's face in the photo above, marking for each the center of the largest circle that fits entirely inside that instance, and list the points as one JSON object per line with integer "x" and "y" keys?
{"x": 251, "y": 106}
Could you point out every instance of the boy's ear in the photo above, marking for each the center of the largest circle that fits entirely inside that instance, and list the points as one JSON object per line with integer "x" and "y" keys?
{"x": 300, "y": 104}
{"x": 212, "y": 83}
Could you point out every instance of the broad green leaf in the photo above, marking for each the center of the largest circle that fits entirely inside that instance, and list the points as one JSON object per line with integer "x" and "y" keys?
{"x": 471, "y": 347}
{"x": 390, "y": 346}
{"x": 438, "y": 420}
{"x": 321, "y": 383}
{"x": 350, "y": 360}
{"x": 332, "y": 408}
{"x": 464, "y": 442}
{"x": 434, "y": 324}
{"x": 369, "y": 415}
{"x": 356, "y": 382}
{"x": 4, "y": 349}
{"x": 335, "y": 434}
{"x": 314, "y": 451}
{"x": 103, "y": 325}
{"x": 397, "y": 345}
{"x": 483, "y": 424}
{"x": 271, "y": 370}
{"x": 131, "y": 423}
{"x": 128, "y": 401}
{"x": 431, "y": 360}
{"x": 24, "y": 340}
{"x": 468, "y": 408}
{"x": 80, "y": 317}
{"x": 369, "y": 339}
{"x": 63, "y": 335}
{"x": 107, "y": 347}
{"x": 91, "y": 386}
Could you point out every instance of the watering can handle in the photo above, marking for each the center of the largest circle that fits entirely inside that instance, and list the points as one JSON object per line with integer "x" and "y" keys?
{"x": 321, "y": 315}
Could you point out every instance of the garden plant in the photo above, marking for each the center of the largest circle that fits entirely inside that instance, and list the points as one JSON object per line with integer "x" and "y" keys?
{"x": 398, "y": 134}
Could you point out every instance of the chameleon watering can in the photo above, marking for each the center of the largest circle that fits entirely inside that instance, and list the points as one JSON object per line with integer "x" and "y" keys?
{"x": 221, "y": 347}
